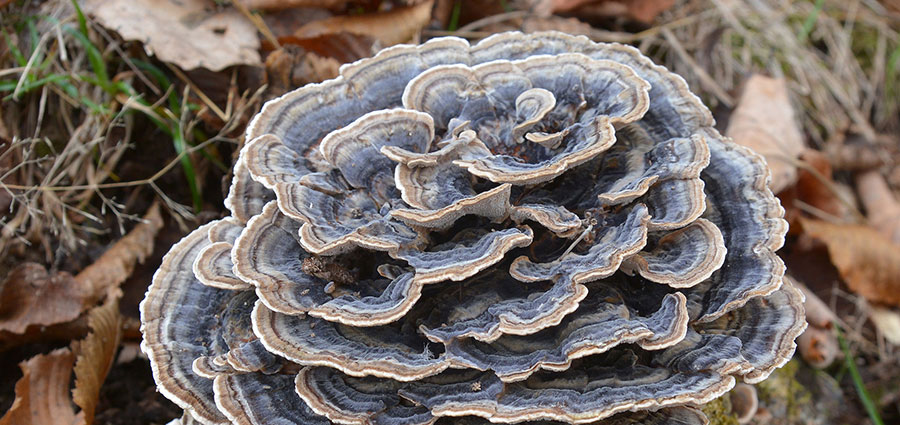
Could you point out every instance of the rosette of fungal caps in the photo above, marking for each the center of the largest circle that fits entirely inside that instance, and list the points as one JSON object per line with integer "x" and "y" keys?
{"x": 534, "y": 228}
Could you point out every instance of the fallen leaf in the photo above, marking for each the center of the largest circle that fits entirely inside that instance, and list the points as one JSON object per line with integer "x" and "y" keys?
{"x": 868, "y": 262}
{"x": 284, "y": 22}
{"x": 882, "y": 208}
{"x": 42, "y": 393}
{"x": 764, "y": 121}
{"x": 58, "y": 333}
{"x": 289, "y": 4}
{"x": 29, "y": 296}
{"x": 117, "y": 263}
{"x": 854, "y": 152}
{"x": 187, "y": 33}
{"x": 392, "y": 27}
{"x": 817, "y": 191}
{"x": 644, "y": 11}
{"x": 94, "y": 356}
{"x": 892, "y": 5}
{"x": 887, "y": 322}
{"x": 342, "y": 46}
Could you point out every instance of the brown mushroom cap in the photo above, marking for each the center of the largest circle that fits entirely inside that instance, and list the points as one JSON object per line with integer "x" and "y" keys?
{"x": 534, "y": 228}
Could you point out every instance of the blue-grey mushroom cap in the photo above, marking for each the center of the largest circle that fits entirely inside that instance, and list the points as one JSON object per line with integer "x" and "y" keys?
{"x": 531, "y": 229}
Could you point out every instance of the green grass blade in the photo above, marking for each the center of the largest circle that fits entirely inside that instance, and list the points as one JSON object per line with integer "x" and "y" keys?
{"x": 10, "y": 85}
{"x": 867, "y": 402}
{"x": 95, "y": 58}
{"x": 72, "y": 91}
{"x": 21, "y": 60}
{"x": 82, "y": 22}
{"x": 188, "y": 166}
{"x": 454, "y": 16}
{"x": 810, "y": 21}
{"x": 154, "y": 72}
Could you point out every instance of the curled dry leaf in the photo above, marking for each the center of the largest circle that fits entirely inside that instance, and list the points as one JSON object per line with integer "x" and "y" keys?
{"x": 344, "y": 47}
{"x": 639, "y": 10}
{"x": 117, "y": 263}
{"x": 392, "y": 27}
{"x": 882, "y": 208}
{"x": 31, "y": 296}
{"x": 42, "y": 394}
{"x": 866, "y": 259}
{"x": 287, "y": 4}
{"x": 186, "y": 33}
{"x": 764, "y": 121}
{"x": 854, "y": 152}
{"x": 94, "y": 356}
{"x": 817, "y": 188}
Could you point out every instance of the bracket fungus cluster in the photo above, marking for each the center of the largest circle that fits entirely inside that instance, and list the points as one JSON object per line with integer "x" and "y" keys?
{"x": 533, "y": 228}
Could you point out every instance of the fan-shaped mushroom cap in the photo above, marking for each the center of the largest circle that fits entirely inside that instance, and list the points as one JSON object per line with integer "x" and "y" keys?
{"x": 259, "y": 399}
{"x": 532, "y": 228}
{"x": 213, "y": 266}
{"x": 174, "y": 336}
{"x": 616, "y": 237}
{"x": 595, "y": 392}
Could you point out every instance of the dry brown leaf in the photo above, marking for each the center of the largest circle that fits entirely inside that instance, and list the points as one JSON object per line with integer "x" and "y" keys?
{"x": 644, "y": 11}
{"x": 391, "y": 27}
{"x": 343, "y": 46}
{"x": 61, "y": 332}
{"x": 42, "y": 394}
{"x": 855, "y": 152}
{"x": 887, "y": 322}
{"x": 865, "y": 258}
{"x": 764, "y": 121}
{"x": 892, "y": 5}
{"x": 32, "y": 297}
{"x": 186, "y": 33}
{"x": 94, "y": 356}
{"x": 288, "y": 4}
{"x": 882, "y": 208}
{"x": 817, "y": 188}
{"x": 117, "y": 263}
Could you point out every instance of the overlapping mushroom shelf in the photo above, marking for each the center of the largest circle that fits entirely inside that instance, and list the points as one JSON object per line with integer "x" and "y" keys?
{"x": 533, "y": 228}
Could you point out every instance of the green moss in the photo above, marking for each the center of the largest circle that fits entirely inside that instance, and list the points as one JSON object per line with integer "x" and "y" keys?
{"x": 719, "y": 411}
{"x": 783, "y": 394}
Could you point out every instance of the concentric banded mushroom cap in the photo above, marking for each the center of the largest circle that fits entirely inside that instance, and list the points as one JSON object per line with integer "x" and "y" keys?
{"x": 534, "y": 228}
